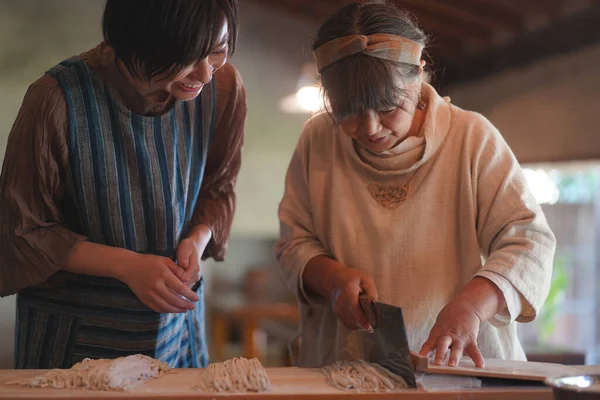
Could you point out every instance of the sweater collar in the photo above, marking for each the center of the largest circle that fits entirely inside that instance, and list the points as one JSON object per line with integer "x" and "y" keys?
{"x": 413, "y": 152}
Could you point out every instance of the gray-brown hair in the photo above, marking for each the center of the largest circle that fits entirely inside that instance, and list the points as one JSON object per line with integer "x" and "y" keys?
{"x": 360, "y": 82}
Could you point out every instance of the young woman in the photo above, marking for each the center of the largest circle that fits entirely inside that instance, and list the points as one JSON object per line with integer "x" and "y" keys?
{"x": 118, "y": 179}
{"x": 399, "y": 194}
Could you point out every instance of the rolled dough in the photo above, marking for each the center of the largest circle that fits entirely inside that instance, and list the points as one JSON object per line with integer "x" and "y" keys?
{"x": 119, "y": 374}
{"x": 362, "y": 376}
{"x": 237, "y": 375}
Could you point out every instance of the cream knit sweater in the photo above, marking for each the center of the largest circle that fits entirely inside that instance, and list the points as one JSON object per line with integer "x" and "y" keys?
{"x": 468, "y": 212}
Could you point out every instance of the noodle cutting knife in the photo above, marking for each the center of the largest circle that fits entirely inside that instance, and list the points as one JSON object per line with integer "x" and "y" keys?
{"x": 388, "y": 344}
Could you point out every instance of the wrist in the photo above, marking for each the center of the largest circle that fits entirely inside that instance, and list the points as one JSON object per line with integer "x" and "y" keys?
{"x": 122, "y": 269}
{"x": 483, "y": 296}
{"x": 466, "y": 306}
{"x": 200, "y": 234}
{"x": 319, "y": 275}
{"x": 329, "y": 281}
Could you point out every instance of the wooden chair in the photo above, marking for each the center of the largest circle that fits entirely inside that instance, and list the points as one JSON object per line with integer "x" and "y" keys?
{"x": 260, "y": 304}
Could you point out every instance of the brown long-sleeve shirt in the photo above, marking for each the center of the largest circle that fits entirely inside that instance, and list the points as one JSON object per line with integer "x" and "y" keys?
{"x": 35, "y": 241}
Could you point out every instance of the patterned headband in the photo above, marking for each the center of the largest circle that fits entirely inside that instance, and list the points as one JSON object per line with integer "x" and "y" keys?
{"x": 388, "y": 47}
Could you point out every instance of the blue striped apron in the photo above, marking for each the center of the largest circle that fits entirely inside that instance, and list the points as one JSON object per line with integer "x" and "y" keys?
{"x": 134, "y": 183}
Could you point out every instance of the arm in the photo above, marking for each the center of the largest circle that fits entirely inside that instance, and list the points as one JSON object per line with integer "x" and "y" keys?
{"x": 35, "y": 242}
{"x": 311, "y": 272}
{"x": 213, "y": 214}
{"x": 457, "y": 326}
{"x": 513, "y": 234}
{"x": 515, "y": 240}
{"x": 484, "y": 296}
{"x": 319, "y": 274}
{"x": 330, "y": 280}
{"x": 298, "y": 247}
{"x": 514, "y": 237}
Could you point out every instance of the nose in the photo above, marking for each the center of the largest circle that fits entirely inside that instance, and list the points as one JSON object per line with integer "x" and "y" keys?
{"x": 202, "y": 72}
{"x": 371, "y": 124}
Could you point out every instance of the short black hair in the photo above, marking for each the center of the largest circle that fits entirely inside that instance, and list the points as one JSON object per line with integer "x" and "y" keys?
{"x": 152, "y": 37}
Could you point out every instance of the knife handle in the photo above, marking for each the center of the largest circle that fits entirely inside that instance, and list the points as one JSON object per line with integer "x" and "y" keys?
{"x": 420, "y": 363}
{"x": 368, "y": 308}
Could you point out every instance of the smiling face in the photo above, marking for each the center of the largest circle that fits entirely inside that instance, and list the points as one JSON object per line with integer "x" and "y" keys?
{"x": 374, "y": 101}
{"x": 371, "y": 98}
{"x": 188, "y": 83}
{"x": 379, "y": 131}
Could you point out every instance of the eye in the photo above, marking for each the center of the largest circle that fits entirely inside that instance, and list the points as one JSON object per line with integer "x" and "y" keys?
{"x": 390, "y": 111}
{"x": 344, "y": 119}
{"x": 221, "y": 51}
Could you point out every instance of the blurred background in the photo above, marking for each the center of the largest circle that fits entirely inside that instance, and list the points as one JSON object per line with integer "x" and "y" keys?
{"x": 530, "y": 66}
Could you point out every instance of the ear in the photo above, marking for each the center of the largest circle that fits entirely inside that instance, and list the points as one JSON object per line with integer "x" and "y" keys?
{"x": 422, "y": 69}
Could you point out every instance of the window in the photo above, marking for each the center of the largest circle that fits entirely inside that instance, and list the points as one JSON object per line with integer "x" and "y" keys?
{"x": 570, "y": 319}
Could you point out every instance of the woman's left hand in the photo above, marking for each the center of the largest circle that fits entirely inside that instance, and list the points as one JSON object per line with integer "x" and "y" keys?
{"x": 455, "y": 331}
{"x": 190, "y": 250}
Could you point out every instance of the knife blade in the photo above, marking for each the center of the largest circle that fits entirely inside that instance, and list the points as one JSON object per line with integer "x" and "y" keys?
{"x": 389, "y": 342}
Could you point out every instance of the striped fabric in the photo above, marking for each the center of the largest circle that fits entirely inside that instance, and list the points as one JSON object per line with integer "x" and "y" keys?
{"x": 387, "y": 47}
{"x": 134, "y": 182}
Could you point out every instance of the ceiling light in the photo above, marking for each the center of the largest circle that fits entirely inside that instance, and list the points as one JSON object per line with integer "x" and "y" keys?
{"x": 309, "y": 97}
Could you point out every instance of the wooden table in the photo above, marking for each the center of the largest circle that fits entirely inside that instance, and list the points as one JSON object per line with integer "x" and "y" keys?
{"x": 228, "y": 308}
{"x": 287, "y": 384}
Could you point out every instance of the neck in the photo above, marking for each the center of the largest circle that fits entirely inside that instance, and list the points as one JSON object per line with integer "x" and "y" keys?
{"x": 417, "y": 121}
{"x": 141, "y": 98}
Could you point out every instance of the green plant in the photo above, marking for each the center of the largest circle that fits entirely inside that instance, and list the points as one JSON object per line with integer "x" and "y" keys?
{"x": 556, "y": 295}
{"x": 577, "y": 186}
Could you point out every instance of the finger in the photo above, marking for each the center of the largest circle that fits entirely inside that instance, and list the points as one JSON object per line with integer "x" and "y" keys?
{"x": 345, "y": 316}
{"x": 179, "y": 288}
{"x": 368, "y": 286}
{"x": 174, "y": 300}
{"x": 194, "y": 268}
{"x": 349, "y": 322}
{"x": 184, "y": 252}
{"x": 359, "y": 319}
{"x": 177, "y": 270}
{"x": 455, "y": 354}
{"x": 162, "y": 306}
{"x": 428, "y": 347}
{"x": 356, "y": 318}
{"x": 473, "y": 351}
{"x": 441, "y": 350}
{"x": 354, "y": 310}
{"x": 152, "y": 305}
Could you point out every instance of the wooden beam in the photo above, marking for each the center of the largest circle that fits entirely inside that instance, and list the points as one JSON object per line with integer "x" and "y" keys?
{"x": 324, "y": 7}
{"x": 437, "y": 58}
{"x": 295, "y": 8}
{"x": 441, "y": 28}
{"x": 484, "y": 24}
{"x": 563, "y": 36}
{"x": 506, "y": 17}
{"x": 445, "y": 42}
{"x": 533, "y": 8}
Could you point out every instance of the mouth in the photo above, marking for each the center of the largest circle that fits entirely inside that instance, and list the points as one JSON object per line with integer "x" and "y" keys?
{"x": 190, "y": 88}
{"x": 377, "y": 139}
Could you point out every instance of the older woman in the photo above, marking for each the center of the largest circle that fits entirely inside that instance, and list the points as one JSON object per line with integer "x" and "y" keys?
{"x": 118, "y": 178}
{"x": 399, "y": 194}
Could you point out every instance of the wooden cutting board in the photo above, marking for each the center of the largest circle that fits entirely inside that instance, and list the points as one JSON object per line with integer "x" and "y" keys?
{"x": 287, "y": 384}
{"x": 500, "y": 369}
{"x": 176, "y": 384}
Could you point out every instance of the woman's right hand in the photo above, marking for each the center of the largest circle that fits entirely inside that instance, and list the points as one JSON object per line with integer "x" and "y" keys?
{"x": 158, "y": 283}
{"x": 346, "y": 285}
